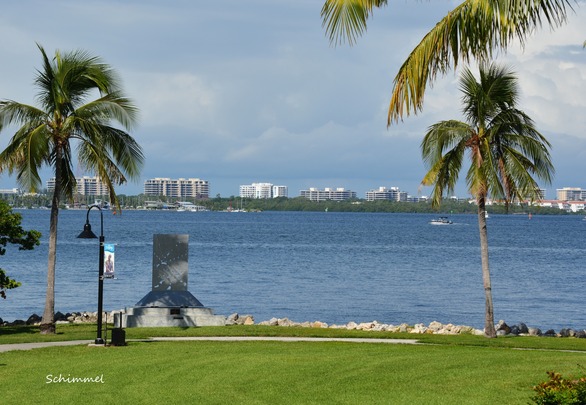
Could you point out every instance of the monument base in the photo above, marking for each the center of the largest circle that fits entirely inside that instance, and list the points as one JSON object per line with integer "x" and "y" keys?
{"x": 136, "y": 317}
{"x": 169, "y": 303}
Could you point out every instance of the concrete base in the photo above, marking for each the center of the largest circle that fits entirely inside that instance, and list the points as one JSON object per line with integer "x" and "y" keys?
{"x": 136, "y": 317}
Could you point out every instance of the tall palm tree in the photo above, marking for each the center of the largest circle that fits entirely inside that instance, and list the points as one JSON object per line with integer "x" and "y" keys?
{"x": 506, "y": 153}
{"x": 475, "y": 29}
{"x": 64, "y": 121}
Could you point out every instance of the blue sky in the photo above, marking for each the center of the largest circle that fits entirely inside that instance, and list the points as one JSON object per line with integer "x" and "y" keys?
{"x": 236, "y": 92}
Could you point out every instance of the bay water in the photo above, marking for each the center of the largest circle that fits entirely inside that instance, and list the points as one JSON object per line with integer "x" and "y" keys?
{"x": 326, "y": 266}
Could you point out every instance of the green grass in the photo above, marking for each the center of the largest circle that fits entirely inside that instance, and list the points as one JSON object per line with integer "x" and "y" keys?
{"x": 450, "y": 370}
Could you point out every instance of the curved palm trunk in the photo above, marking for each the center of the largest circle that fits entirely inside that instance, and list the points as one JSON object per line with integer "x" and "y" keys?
{"x": 48, "y": 320}
{"x": 489, "y": 329}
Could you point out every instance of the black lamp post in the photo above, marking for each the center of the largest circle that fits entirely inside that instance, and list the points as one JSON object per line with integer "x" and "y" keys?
{"x": 88, "y": 234}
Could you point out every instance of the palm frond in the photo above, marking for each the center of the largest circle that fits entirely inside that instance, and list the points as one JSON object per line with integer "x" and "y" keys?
{"x": 25, "y": 154}
{"x": 345, "y": 20}
{"x": 12, "y": 112}
{"x": 64, "y": 84}
{"x": 473, "y": 30}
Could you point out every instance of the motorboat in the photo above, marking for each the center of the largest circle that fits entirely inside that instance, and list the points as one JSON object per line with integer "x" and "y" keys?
{"x": 441, "y": 221}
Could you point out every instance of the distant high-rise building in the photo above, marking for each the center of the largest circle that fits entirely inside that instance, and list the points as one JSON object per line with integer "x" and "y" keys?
{"x": 383, "y": 193}
{"x": 84, "y": 186}
{"x": 571, "y": 194}
{"x": 179, "y": 188}
{"x": 333, "y": 194}
{"x": 280, "y": 191}
{"x": 262, "y": 190}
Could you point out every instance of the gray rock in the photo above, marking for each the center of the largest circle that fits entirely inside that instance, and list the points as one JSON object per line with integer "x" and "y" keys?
{"x": 550, "y": 333}
{"x": 567, "y": 332}
{"x": 534, "y": 332}
{"x": 502, "y": 326}
{"x": 232, "y": 319}
{"x": 523, "y": 329}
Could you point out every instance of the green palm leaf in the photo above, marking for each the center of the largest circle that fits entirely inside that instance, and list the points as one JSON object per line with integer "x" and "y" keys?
{"x": 475, "y": 29}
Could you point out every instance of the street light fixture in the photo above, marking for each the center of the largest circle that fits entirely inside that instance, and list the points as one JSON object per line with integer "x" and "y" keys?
{"x": 88, "y": 234}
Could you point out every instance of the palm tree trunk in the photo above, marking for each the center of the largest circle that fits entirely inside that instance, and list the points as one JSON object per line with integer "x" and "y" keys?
{"x": 489, "y": 329}
{"x": 48, "y": 320}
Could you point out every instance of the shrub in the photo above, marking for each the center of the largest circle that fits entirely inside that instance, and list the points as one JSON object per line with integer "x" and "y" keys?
{"x": 560, "y": 390}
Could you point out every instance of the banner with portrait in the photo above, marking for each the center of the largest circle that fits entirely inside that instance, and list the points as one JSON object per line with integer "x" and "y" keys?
{"x": 108, "y": 260}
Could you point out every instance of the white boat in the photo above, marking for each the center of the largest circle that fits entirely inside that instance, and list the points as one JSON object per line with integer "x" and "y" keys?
{"x": 183, "y": 206}
{"x": 441, "y": 221}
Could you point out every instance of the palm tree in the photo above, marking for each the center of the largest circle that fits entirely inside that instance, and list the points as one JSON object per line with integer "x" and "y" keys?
{"x": 475, "y": 29}
{"x": 65, "y": 120}
{"x": 505, "y": 149}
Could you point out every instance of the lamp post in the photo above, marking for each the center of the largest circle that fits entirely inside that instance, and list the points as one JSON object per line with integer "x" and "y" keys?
{"x": 88, "y": 234}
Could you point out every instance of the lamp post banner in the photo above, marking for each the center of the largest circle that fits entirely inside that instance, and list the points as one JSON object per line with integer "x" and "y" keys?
{"x": 109, "y": 260}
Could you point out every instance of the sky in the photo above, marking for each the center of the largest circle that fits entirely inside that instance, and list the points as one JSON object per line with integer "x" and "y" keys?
{"x": 239, "y": 92}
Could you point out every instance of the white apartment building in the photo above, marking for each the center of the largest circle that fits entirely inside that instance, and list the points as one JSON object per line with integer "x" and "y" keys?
{"x": 262, "y": 191}
{"x": 383, "y": 193}
{"x": 6, "y": 191}
{"x": 164, "y": 186}
{"x": 333, "y": 194}
{"x": 280, "y": 191}
{"x": 85, "y": 186}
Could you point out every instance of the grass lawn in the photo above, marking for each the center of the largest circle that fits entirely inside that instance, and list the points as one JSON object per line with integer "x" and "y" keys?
{"x": 449, "y": 370}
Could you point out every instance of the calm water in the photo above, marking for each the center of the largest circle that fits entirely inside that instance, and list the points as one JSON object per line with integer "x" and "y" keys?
{"x": 333, "y": 267}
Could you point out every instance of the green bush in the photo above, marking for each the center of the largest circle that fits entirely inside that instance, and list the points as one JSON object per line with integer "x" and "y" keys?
{"x": 560, "y": 390}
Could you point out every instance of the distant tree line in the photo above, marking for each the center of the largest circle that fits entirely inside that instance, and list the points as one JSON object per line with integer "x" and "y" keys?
{"x": 448, "y": 206}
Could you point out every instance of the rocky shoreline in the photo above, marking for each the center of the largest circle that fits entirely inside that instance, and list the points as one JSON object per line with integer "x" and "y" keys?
{"x": 434, "y": 327}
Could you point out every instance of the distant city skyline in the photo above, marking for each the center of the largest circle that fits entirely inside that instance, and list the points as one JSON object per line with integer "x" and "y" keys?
{"x": 197, "y": 186}
{"x": 280, "y": 104}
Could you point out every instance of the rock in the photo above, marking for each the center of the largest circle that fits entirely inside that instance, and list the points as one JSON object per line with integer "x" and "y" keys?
{"x": 351, "y": 325}
{"x": 232, "y": 319}
{"x": 318, "y": 324}
{"x": 59, "y": 316}
{"x": 550, "y": 333}
{"x": 248, "y": 320}
{"x": 567, "y": 333}
{"x": 285, "y": 322}
{"x": 534, "y": 331}
{"x": 17, "y": 322}
{"x": 435, "y": 326}
{"x": 462, "y": 329}
{"x": 419, "y": 328}
{"x": 404, "y": 327}
{"x": 34, "y": 319}
{"x": 365, "y": 326}
{"x": 380, "y": 327}
{"x": 502, "y": 326}
{"x": 523, "y": 329}
{"x": 273, "y": 322}
{"x": 581, "y": 334}
{"x": 514, "y": 330}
